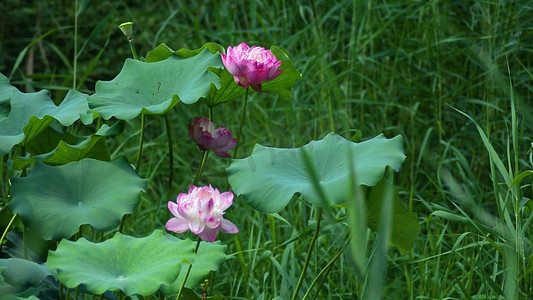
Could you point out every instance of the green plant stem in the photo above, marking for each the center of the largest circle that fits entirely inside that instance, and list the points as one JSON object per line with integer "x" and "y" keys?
{"x": 201, "y": 169}
{"x": 324, "y": 272}
{"x": 132, "y": 48}
{"x": 24, "y": 242}
{"x": 122, "y": 221}
{"x": 243, "y": 115}
{"x": 141, "y": 141}
{"x": 170, "y": 154}
{"x": 60, "y": 286}
{"x": 188, "y": 271}
{"x": 7, "y": 229}
{"x": 24, "y": 171}
{"x": 308, "y": 256}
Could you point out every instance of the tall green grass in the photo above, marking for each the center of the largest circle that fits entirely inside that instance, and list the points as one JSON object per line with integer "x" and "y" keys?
{"x": 454, "y": 78}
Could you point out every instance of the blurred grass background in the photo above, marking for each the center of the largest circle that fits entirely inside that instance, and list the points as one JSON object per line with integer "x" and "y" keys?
{"x": 397, "y": 67}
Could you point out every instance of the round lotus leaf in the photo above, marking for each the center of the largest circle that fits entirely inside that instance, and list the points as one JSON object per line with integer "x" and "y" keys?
{"x": 155, "y": 87}
{"x": 31, "y": 113}
{"x": 135, "y": 266}
{"x": 18, "y": 274}
{"x": 210, "y": 257}
{"x": 6, "y": 90}
{"x": 271, "y": 176}
{"x": 56, "y": 200}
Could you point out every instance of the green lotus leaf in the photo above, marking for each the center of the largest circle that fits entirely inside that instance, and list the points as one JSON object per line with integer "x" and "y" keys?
{"x": 93, "y": 146}
{"x": 163, "y": 52}
{"x": 155, "y": 87}
{"x": 159, "y": 53}
{"x": 55, "y": 146}
{"x": 27, "y": 245}
{"x": 47, "y": 140}
{"x": 135, "y": 266}
{"x": 281, "y": 85}
{"x": 212, "y": 47}
{"x": 18, "y": 274}
{"x": 111, "y": 131}
{"x": 209, "y": 258}
{"x": 6, "y": 90}
{"x": 271, "y": 176}
{"x": 56, "y": 200}
{"x": 31, "y": 113}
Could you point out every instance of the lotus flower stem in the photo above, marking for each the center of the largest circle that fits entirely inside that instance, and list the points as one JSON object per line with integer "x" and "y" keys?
{"x": 201, "y": 169}
{"x": 60, "y": 286}
{"x": 23, "y": 173}
{"x": 170, "y": 154}
{"x": 122, "y": 221}
{"x": 7, "y": 228}
{"x": 243, "y": 114}
{"x": 188, "y": 271}
{"x": 127, "y": 29}
{"x": 308, "y": 256}
{"x": 25, "y": 242}
{"x": 324, "y": 272}
{"x": 141, "y": 141}
{"x": 133, "y": 51}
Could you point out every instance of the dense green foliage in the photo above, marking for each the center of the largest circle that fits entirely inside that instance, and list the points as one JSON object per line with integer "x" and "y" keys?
{"x": 397, "y": 67}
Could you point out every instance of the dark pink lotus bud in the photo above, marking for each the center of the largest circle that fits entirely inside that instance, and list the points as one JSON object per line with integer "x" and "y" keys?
{"x": 251, "y": 66}
{"x": 204, "y": 133}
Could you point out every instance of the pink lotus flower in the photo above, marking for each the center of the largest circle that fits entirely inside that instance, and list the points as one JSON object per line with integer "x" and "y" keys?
{"x": 204, "y": 133}
{"x": 201, "y": 211}
{"x": 251, "y": 66}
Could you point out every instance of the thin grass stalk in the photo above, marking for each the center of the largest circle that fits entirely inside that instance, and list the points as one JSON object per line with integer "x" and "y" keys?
{"x": 243, "y": 115}
{"x": 324, "y": 272}
{"x": 356, "y": 212}
{"x": 373, "y": 289}
{"x": 513, "y": 253}
{"x": 188, "y": 271}
{"x": 330, "y": 113}
{"x": 75, "y": 60}
{"x": 308, "y": 256}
